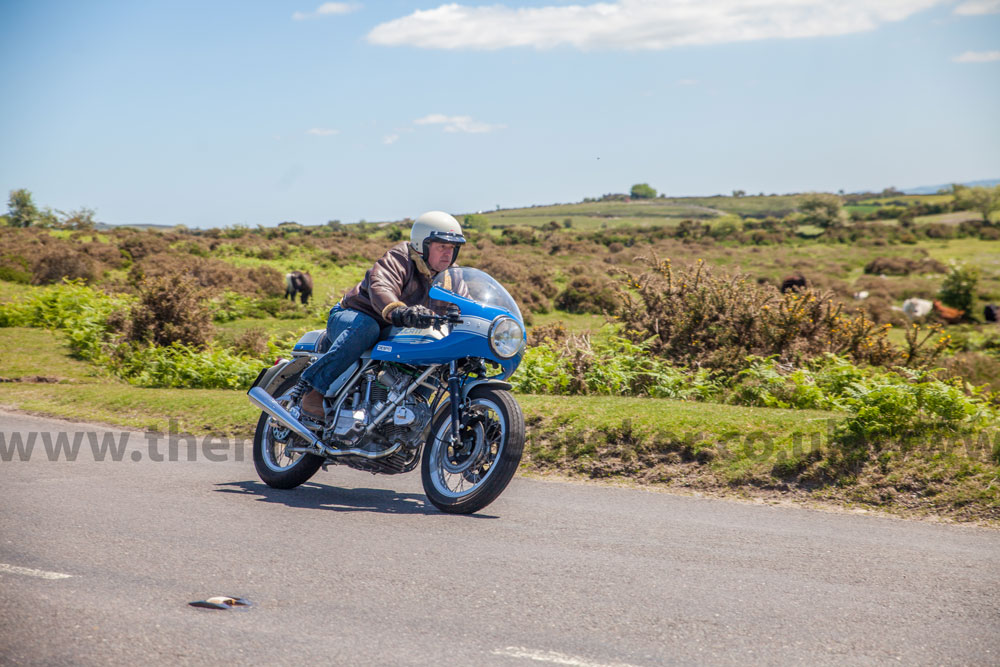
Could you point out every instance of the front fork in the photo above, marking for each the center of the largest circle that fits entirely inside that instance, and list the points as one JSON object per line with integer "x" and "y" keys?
{"x": 455, "y": 390}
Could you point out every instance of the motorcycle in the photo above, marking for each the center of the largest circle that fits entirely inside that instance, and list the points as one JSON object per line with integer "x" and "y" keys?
{"x": 436, "y": 397}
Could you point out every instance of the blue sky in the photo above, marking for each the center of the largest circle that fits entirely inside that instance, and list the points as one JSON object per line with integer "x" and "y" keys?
{"x": 222, "y": 113}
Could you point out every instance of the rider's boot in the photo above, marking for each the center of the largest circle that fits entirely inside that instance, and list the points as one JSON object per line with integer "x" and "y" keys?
{"x": 312, "y": 401}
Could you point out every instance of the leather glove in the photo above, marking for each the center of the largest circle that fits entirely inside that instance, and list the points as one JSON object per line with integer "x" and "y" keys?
{"x": 412, "y": 316}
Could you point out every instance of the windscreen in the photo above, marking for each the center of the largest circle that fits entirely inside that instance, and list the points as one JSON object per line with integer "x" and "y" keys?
{"x": 478, "y": 286}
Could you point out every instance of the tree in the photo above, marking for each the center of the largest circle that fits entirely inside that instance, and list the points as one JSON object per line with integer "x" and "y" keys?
{"x": 822, "y": 210}
{"x": 21, "y": 209}
{"x": 643, "y": 191}
{"x": 983, "y": 200}
{"x": 739, "y": 193}
{"x": 82, "y": 218}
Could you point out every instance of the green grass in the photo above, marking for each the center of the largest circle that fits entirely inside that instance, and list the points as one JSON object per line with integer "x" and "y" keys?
{"x": 197, "y": 411}
{"x": 26, "y": 352}
{"x": 909, "y": 199}
{"x": 12, "y": 291}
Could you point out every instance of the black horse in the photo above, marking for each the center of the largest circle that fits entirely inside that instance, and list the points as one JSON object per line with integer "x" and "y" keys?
{"x": 793, "y": 283}
{"x": 299, "y": 283}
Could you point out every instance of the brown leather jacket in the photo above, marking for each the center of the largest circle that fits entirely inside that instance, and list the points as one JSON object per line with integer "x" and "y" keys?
{"x": 399, "y": 278}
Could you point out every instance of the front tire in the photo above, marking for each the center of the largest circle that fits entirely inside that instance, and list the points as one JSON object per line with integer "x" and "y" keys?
{"x": 466, "y": 479}
{"x": 274, "y": 467}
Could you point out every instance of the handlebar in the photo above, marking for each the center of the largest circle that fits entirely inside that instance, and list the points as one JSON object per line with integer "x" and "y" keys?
{"x": 453, "y": 317}
{"x": 437, "y": 321}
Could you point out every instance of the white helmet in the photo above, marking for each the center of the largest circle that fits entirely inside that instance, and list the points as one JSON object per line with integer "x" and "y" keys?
{"x": 435, "y": 226}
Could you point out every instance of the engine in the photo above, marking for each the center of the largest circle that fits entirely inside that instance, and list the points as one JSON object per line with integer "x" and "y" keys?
{"x": 404, "y": 425}
{"x": 408, "y": 420}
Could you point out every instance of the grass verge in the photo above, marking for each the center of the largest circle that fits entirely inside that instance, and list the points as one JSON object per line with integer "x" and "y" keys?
{"x": 706, "y": 447}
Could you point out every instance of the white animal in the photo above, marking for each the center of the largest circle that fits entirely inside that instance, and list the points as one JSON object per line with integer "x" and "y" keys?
{"x": 915, "y": 308}
{"x": 862, "y": 295}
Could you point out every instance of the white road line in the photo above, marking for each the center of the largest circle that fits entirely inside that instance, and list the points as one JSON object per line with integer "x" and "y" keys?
{"x": 552, "y": 657}
{"x": 28, "y": 572}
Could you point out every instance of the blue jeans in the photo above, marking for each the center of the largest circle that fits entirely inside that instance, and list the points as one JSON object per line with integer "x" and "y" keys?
{"x": 350, "y": 333}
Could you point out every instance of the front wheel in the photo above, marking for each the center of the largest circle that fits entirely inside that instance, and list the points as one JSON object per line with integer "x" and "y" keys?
{"x": 466, "y": 477}
{"x": 275, "y": 466}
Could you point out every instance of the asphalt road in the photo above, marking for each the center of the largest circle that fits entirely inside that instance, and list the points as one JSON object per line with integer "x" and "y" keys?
{"x": 356, "y": 569}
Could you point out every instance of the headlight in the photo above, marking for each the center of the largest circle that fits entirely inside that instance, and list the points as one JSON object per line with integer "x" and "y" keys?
{"x": 506, "y": 337}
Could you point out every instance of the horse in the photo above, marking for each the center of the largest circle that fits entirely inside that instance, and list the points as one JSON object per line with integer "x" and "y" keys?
{"x": 795, "y": 283}
{"x": 948, "y": 314}
{"x": 299, "y": 283}
{"x": 915, "y": 308}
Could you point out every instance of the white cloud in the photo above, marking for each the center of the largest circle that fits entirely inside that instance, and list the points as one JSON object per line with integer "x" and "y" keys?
{"x": 390, "y": 139}
{"x": 322, "y": 132}
{"x": 327, "y": 9}
{"x": 974, "y": 7}
{"x": 638, "y": 24}
{"x": 687, "y": 82}
{"x": 457, "y": 123}
{"x": 977, "y": 57}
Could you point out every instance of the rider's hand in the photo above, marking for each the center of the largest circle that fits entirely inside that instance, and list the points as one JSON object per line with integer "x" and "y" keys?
{"x": 412, "y": 316}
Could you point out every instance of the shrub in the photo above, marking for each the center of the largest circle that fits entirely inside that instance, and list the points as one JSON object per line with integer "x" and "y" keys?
{"x": 183, "y": 366}
{"x": 612, "y": 367}
{"x": 58, "y": 264}
{"x": 822, "y": 210}
{"x": 105, "y": 253}
{"x": 533, "y": 285}
{"x": 251, "y": 343}
{"x": 694, "y": 317}
{"x": 14, "y": 268}
{"x": 139, "y": 245}
{"x": 518, "y": 235}
{"x": 902, "y": 266}
{"x": 268, "y": 280}
{"x": 170, "y": 310}
{"x": 210, "y": 273}
{"x": 958, "y": 289}
{"x": 589, "y": 294}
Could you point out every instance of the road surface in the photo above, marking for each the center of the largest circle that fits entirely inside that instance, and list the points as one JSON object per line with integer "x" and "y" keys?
{"x": 99, "y": 560}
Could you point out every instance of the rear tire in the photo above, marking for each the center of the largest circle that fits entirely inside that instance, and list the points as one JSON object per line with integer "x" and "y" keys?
{"x": 467, "y": 480}
{"x": 273, "y": 467}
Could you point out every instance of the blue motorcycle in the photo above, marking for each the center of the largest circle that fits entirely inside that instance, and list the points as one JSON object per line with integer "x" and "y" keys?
{"x": 435, "y": 396}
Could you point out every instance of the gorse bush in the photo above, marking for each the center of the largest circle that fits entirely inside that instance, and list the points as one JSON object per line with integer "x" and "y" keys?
{"x": 693, "y": 317}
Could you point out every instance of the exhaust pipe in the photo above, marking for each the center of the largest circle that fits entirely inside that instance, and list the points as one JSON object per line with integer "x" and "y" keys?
{"x": 265, "y": 402}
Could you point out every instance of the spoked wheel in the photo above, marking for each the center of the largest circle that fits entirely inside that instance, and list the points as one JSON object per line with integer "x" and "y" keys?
{"x": 277, "y": 467}
{"x": 464, "y": 477}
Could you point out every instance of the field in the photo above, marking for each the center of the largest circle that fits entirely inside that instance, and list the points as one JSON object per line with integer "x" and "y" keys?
{"x": 566, "y": 265}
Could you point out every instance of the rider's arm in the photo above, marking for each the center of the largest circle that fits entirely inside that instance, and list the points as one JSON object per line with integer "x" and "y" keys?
{"x": 386, "y": 281}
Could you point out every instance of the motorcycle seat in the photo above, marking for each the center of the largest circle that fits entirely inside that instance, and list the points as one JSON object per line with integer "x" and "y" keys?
{"x": 323, "y": 343}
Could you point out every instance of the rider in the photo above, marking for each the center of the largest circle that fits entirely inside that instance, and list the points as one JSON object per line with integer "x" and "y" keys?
{"x": 393, "y": 292}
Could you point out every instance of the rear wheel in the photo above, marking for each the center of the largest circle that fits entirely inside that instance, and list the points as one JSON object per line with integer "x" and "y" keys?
{"x": 464, "y": 477}
{"x": 276, "y": 467}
